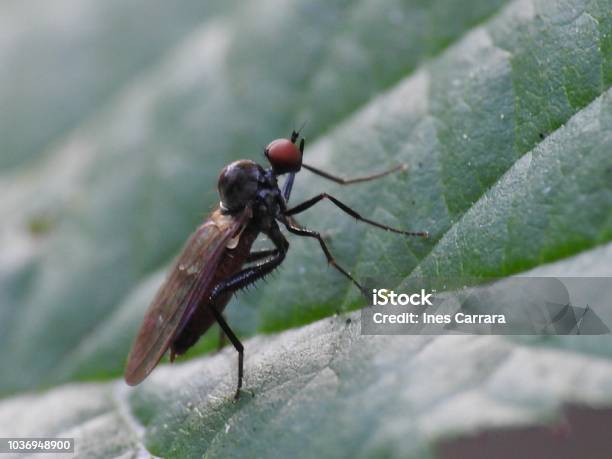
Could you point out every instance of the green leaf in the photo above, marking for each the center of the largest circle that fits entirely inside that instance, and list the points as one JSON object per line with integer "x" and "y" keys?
{"x": 502, "y": 113}
{"x": 378, "y": 396}
{"x": 116, "y": 199}
{"x": 66, "y": 60}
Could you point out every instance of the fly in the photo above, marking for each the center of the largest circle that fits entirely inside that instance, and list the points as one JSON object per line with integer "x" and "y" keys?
{"x": 217, "y": 259}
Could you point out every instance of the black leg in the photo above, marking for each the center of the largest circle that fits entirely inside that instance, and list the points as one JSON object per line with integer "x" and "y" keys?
{"x": 242, "y": 279}
{"x": 222, "y": 340}
{"x": 292, "y": 220}
{"x": 252, "y": 274}
{"x": 311, "y": 202}
{"x": 235, "y": 341}
{"x": 247, "y": 276}
{"x": 330, "y": 259}
{"x": 343, "y": 181}
{"x": 261, "y": 254}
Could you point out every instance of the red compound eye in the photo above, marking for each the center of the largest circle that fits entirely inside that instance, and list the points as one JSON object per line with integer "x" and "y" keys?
{"x": 284, "y": 156}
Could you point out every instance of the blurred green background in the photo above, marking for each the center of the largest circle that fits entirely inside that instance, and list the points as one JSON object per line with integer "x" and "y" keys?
{"x": 116, "y": 118}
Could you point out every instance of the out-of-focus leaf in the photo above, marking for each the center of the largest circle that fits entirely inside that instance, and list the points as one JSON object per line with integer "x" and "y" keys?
{"x": 63, "y": 61}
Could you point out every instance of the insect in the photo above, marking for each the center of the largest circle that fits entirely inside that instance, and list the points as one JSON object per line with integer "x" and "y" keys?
{"x": 211, "y": 266}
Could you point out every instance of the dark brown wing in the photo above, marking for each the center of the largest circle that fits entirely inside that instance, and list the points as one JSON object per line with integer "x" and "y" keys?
{"x": 187, "y": 281}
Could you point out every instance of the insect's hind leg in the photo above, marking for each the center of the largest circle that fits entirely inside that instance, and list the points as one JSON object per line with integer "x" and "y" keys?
{"x": 242, "y": 279}
{"x": 251, "y": 274}
{"x": 261, "y": 254}
{"x": 222, "y": 339}
{"x": 236, "y": 282}
{"x": 236, "y": 343}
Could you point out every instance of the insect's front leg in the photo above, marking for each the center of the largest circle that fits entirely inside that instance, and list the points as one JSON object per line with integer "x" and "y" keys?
{"x": 345, "y": 181}
{"x": 235, "y": 342}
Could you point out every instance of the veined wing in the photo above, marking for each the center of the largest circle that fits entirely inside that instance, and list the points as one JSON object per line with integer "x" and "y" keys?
{"x": 188, "y": 278}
